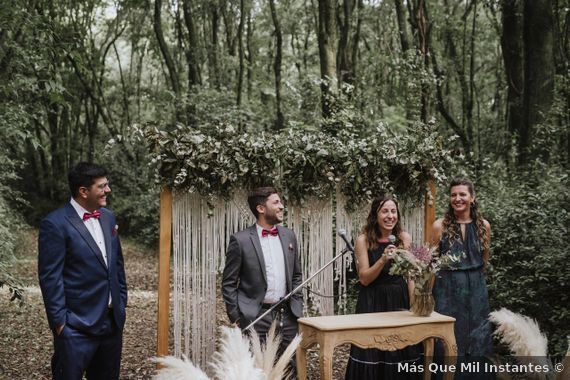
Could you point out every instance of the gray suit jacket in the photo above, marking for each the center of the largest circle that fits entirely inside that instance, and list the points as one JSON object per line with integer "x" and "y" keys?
{"x": 244, "y": 282}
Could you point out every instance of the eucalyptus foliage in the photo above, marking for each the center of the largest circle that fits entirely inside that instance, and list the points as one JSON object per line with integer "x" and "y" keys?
{"x": 303, "y": 162}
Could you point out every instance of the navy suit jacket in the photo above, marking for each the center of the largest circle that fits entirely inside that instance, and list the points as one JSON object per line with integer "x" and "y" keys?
{"x": 74, "y": 279}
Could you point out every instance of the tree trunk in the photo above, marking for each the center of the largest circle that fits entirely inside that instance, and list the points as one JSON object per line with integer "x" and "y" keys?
{"x": 229, "y": 28}
{"x": 55, "y": 148}
{"x": 405, "y": 44}
{"x": 470, "y": 101}
{"x": 157, "y": 25}
{"x": 423, "y": 29}
{"x": 419, "y": 25}
{"x": 562, "y": 37}
{"x": 240, "y": 51}
{"x": 345, "y": 67}
{"x": 562, "y": 59}
{"x": 125, "y": 91}
{"x": 402, "y": 31}
{"x": 213, "y": 50}
{"x": 192, "y": 48}
{"x": 250, "y": 56}
{"x": 42, "y": 176}
{"x": 309, "y": 27}
{"x": 356, "y": 37}
{"x": 539, "y": 72}
{"x": 328, "y": 45}
{"x": 513, "y": 57}
{"x": 171, "y": 67}
{"x": 280, "y": 119}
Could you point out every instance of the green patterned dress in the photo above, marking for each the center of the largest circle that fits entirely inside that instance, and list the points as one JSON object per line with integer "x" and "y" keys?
{"x": 462, "y": 294}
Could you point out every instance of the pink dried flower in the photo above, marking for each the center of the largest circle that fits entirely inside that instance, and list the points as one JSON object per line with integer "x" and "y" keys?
{"x": 423, "y": 254}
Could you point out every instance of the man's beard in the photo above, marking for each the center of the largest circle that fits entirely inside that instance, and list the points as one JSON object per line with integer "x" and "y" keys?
{"x": 273, "y": 219}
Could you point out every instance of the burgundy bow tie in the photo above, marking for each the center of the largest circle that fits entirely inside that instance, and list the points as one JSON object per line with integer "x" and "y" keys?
{"x": 272, "y": 232}
{"x": 95, "y": 214}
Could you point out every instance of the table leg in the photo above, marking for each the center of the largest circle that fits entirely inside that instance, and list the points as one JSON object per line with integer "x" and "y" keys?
{"x": 428, "y": 356}
{"x": 301, "y": 356}
{"x": 325, "y": 358}
{"x": 449, "y": 352}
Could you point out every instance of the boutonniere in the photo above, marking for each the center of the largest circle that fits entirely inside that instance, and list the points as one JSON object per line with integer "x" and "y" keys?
{"x": 291, "y": 248}
{"x": 115, "y": 230}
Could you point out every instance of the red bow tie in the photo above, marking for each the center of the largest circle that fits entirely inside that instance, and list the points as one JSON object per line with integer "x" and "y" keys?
{"x": 95, "y": 214}
{"x": 272, "y": 232}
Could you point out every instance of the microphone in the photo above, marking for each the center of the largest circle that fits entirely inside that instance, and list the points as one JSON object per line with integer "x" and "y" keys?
{"x": 342, "y": 234}
{"x": 392, "y": 240}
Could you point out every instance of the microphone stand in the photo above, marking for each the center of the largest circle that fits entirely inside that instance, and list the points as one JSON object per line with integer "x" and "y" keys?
{"x": 292, "y": 292}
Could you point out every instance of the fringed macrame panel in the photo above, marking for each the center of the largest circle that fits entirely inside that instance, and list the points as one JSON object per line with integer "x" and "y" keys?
{"x": 313, "y": 225}
{"x": 352, "y": 224}
{"x": 295, "y": 222}
{"x": 238, "y": 217}
{"x": 201, "y": 236}
{"x": 413, "y": 222}
{"x": 194, "y": 241}
{"x": 181, "y": 227}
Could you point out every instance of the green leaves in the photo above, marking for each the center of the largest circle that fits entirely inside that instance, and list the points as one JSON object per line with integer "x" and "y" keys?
{"x": 528, "y": 213}
{"x": 217, "y": 160}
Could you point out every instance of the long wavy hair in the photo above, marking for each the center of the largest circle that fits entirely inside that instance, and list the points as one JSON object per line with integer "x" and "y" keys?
{"x": 451, "y": 227}
{"x": 372, "y": 229}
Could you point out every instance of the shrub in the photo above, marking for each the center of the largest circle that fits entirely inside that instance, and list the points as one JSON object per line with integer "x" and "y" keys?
{"x": 528, "y": 212}
{"x": 135, "y": 196}
{"x": 10, "y": 225}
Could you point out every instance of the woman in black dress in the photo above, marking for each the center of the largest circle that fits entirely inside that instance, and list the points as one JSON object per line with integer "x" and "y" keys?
{"x": 379, "y": 291}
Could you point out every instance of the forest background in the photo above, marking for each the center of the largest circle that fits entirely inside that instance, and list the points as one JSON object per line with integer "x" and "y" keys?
{"x": 489, "y": 78}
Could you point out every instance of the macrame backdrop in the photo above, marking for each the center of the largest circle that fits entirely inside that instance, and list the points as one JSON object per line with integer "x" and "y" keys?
{"x": 199, "y": 239}
{"x": 201, "y": 235}
{"x": 313, "y": 225}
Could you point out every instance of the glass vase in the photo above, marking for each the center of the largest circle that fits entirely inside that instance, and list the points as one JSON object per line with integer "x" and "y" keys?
{"x": 422, "y": 302}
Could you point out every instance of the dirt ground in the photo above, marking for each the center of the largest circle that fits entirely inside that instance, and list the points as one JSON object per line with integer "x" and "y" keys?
{"x": 26, "y": 344}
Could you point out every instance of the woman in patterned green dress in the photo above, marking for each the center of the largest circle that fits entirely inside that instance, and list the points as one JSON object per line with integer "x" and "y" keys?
{"x": 462, "y": 291}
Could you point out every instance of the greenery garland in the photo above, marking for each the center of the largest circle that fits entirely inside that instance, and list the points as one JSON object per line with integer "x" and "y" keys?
{"x": 302, "y": 162}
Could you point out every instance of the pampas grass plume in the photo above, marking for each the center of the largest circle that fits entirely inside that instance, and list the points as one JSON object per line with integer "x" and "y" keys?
{"x": 279, "y": 371}
{"x": 174, "y": 368}
{"x": 266, "y": 354}
{"x": 520, "y": 333}
{"x": 234, "y": 360}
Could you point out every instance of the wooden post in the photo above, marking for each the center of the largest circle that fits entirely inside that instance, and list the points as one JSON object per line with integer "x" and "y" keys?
{"x": 164, "y": 271}
{"x": 429, "y": 211}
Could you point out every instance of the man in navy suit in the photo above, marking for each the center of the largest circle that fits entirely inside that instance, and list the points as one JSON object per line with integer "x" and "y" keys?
{"x": 82, "y": 278}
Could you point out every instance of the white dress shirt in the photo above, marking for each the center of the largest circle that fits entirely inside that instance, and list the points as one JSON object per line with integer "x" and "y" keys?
{"x": 94, "y": 228}
{"x": 274, "y": 266}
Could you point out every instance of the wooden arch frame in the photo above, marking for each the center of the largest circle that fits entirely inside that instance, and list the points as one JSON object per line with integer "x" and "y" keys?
{"x": 165, "y": 244}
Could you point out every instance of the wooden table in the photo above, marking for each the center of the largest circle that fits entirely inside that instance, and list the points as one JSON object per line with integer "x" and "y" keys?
{"x": 387, "y": 331}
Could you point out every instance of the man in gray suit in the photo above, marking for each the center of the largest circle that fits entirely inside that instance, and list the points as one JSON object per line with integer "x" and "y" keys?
{"x": 262, "y": 266}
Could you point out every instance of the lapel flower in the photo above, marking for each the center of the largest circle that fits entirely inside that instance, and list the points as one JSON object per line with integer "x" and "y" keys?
{"x": 291, "y": 248}
{"x": 115, "y": 230}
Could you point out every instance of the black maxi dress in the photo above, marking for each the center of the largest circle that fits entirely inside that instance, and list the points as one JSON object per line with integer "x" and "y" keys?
{"x": 385, "y": 293}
